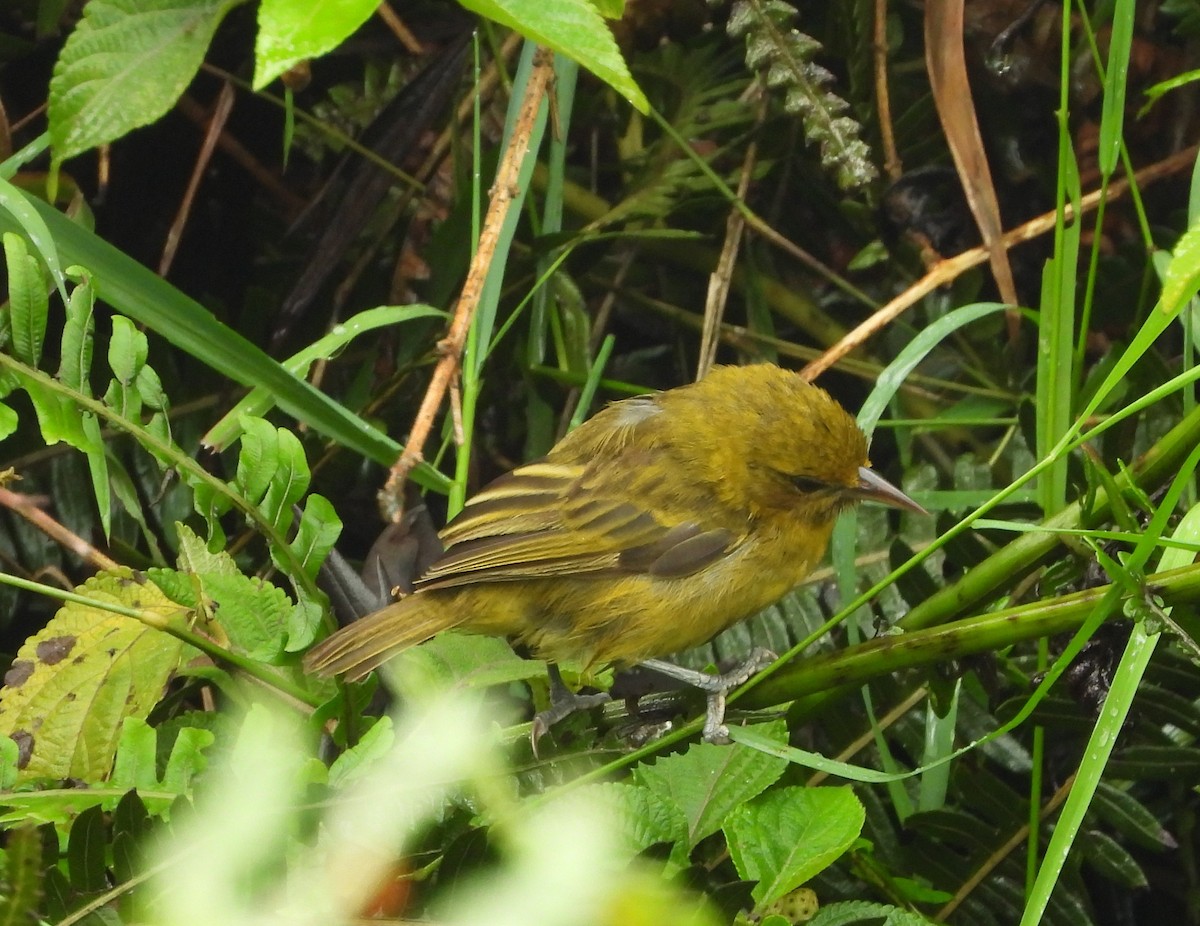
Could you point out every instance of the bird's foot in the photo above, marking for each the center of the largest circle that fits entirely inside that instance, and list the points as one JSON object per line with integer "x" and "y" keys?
{"x": 563, "y": 703}
{"x": 716, "y": 687}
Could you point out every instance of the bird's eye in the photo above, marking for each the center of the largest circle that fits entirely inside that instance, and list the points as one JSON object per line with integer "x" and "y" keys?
{"x": 808, "y": 484}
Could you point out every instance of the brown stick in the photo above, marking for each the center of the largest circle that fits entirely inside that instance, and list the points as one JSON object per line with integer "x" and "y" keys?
{"x": 947, "y": 270}
{"x": 212, "y": 133}
{"x": 391, "y": 498}
{"x": 883, "y": 99}
{"x": 28, "y": 509}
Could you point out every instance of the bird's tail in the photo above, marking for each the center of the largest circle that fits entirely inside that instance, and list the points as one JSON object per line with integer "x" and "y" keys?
{"x": 362, "y": 646}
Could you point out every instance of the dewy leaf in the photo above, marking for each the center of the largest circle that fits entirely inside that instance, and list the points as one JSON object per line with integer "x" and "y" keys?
{"x": 73, "y": 684}
{"x": 708, "y": 782}
{"x": 291, "y": 31}
{"x": 124, "y": 66}
{"x": 570, "y": 27}
{"x": 1183, "y": 273}
{"x": 789, "y": 835}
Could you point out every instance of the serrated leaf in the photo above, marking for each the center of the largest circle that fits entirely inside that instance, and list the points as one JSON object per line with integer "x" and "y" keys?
{"x": 72, "y": 685}
{"x": 195, "y": 557}
{"x": 291, "y": 32}
{"x": 570, "y": 27}
{"x": 124, "y": 66}
{"x": 707, "y": 783}
{"x": 788, "y": 835}
{"x": 252, "y": 612}
{"x": 640, "y": 817}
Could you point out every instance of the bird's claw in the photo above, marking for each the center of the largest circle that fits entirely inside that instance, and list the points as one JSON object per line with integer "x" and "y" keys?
{"x": 715, "y": 731}
{"x": 562, "y": 705}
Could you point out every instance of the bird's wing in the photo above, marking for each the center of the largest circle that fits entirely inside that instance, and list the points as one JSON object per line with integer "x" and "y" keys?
{"x": 556, "y": 519}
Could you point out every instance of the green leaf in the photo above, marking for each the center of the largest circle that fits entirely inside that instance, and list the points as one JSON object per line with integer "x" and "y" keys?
{"x": 570, "y": 27}
{"x": 316, "y": 534}
{"x": 1131, "y": 817}
{"x": 356, "y": 761}
{"x": 136, "y": 764}
{"x": 131, "y": 823}
{"x": 73, "y": 684}
{"x": 148, "y": 299}
{"x": 28, "y": 304}
{"x": 252, "y": 612}
{"x": 9, "y": 757}
{"x": 124, "y": 66}
{"x": 461, "y": 660}
{"x": 32, "y": 225}
{"x": 186, "y": 761}
{"x": 260, "y": 401}
{"x": 257, "y": 458}
{"x": 789, "y": 835}
{"x": 641, "y": 817}
{"x": 21, "y": 881}
{"x": 291, "y": 31}
{"x": 1111, "y": 859}
{"x": 1182, "y": 277}
{"x": 707, "y": 783}
{"x": 86, "y": 850}
{"x": 78, "y": 339}
{"x": 288, "y": 483}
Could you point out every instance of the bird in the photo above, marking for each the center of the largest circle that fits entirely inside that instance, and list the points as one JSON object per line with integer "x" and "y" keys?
{"x": 655, "y": 525}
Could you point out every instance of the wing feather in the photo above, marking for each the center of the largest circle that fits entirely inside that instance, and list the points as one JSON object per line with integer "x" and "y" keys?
{"x": 612, "y": 514}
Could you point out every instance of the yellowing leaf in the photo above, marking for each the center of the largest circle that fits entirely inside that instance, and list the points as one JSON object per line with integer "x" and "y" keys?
{"x": 73, "y": 684}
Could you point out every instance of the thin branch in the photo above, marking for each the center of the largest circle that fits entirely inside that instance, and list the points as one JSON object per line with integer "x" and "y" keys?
{"x": 450, "y": 348}
{"x": 944, "y": 272}
{"x": 28, "y": 509}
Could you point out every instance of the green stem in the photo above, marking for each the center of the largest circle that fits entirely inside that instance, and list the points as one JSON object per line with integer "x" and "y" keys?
{"x": 1027, "y": 550}
{"x": 826, "y": 673}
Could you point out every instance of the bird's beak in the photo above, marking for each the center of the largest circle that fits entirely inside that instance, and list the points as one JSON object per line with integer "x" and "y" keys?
{"x": 874, "y": 488}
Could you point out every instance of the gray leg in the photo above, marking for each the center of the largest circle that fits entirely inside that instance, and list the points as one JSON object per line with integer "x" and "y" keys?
{"x": 716, "y": 687}
{"x": 563, "y": 703}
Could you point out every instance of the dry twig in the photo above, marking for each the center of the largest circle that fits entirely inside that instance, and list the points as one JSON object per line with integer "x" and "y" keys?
{"x": 947, "y": 270}
{"x": 450, "y": 348}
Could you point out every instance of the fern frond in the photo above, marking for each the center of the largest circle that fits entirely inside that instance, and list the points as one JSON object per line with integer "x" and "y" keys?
{"x": 783, "y": 56}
